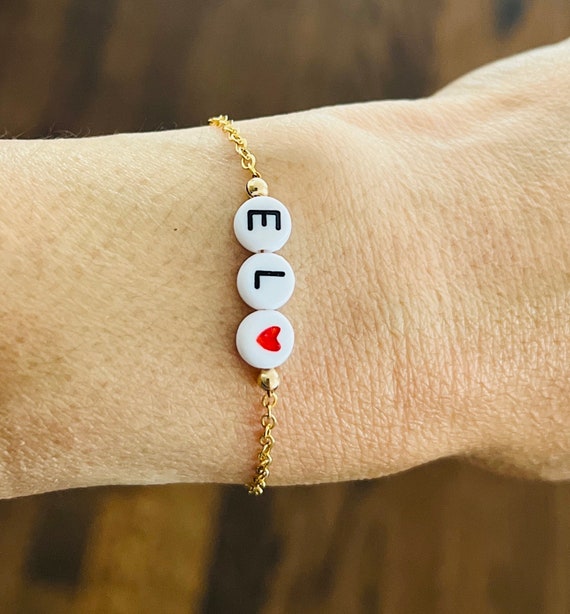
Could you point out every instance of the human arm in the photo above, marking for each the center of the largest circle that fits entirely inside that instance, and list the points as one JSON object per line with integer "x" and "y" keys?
{"x": 432, "y": 307}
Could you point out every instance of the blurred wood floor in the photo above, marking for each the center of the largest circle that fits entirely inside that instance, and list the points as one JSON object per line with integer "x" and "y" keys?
{"x": 446, "y": 538}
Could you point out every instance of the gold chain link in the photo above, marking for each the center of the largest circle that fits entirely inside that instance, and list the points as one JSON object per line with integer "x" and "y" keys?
{"x": 268, "y": 422}
{"x": 247, "y": 158}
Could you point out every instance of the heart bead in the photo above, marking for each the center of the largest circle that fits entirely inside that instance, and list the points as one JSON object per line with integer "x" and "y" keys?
{"x": 265, "y": 339}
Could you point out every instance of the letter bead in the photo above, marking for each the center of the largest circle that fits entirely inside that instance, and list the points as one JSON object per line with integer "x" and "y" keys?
{"x": 265, "y": 339}
{"x": 262, "y": 223}
{"x": 265, "y": 281}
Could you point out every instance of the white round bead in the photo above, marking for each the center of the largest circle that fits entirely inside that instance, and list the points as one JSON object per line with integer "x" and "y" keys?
{"x": 265, "y": 339}
{"x": 265, "y": 281}
{"x": 262, "y": 223}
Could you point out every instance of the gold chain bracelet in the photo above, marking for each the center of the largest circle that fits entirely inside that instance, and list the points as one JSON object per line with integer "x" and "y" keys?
{"x": 265, "y": 281}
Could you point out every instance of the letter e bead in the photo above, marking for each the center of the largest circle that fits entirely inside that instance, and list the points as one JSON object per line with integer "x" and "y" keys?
{"x": 262, "y": 224}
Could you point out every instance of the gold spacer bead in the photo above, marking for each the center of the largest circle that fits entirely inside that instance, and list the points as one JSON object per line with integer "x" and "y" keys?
{"x": 256, "y": 186}
{"x": 268, "y": 379}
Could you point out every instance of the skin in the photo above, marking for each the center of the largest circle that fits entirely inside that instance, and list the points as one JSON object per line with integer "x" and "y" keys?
{"x": 432, "y": 307}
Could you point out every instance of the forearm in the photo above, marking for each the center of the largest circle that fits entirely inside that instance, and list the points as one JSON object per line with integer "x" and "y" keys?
{"x": 416, "y": 338}
{"x": 121, "y": 312}
{"x": 119, "y": 309}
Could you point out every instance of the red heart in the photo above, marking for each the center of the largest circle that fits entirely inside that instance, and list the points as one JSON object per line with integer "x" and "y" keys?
{"x": 267, "y": 339}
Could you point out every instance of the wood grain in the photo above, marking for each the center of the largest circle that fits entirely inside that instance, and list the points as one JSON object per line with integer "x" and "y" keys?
{"x": 446, "y": 538}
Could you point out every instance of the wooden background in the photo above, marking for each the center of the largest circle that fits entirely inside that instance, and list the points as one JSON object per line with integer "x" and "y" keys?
{"x": 447, "y": 538}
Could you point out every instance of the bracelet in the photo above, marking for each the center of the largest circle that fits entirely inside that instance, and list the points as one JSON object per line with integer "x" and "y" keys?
{"x": 265, "y": 281}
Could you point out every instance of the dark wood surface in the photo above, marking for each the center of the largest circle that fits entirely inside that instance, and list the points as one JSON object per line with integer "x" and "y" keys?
{"x": 446, "y": 538}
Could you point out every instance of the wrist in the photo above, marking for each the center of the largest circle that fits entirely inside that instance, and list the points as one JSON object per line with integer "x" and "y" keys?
{"x": 122, "y": 310}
